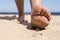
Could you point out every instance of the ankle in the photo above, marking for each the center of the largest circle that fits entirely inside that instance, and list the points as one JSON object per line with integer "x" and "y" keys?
{"x": 36, "y": 10}
{"x": 37, "y": 7}
{"x": 21, "y": 14}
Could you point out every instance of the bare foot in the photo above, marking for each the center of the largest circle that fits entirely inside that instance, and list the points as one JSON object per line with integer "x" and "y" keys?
{"x": 39, "y": 21}
{"x": 20, "y": 19}
{"x": 40, "y": 17}
{"x": 45, "y": 12}
{"x": 42, "y": 11}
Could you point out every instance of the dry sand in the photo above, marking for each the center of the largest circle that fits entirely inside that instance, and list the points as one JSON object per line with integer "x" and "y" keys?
{"x": 10, "y": 29}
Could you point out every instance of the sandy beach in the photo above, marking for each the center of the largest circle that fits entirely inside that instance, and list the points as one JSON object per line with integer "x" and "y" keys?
{"x": 11, "y": 29}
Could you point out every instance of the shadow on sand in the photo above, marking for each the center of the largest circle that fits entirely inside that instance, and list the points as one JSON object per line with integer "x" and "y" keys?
{"x": 8, "y": 17}
{"x": 30, "y": 27}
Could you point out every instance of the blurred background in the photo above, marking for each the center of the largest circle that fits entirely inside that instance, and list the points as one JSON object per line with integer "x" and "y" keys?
{"x": 10, "y": 6}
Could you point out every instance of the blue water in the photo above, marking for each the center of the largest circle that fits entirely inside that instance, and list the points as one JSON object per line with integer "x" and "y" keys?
{"x": 53, "y": 13}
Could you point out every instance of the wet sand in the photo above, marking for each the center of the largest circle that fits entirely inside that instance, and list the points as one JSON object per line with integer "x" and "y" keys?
{"x": 10, "y": 29}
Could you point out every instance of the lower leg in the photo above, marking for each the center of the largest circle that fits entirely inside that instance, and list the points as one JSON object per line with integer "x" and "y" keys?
{"x": 20, "y": 6}
{"x": 35, "y": 2}
{"x": 34, "y": 5}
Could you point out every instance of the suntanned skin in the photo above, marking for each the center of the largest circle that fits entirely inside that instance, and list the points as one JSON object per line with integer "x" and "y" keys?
{"x": 20, "y": 7}
{"x": 36, "y": 9}
{"x": 40, "y": 15}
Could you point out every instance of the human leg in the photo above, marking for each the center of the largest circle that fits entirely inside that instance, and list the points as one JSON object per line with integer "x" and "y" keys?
{"x": 40, "y": 15}
{"x": 20, "y": 7}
